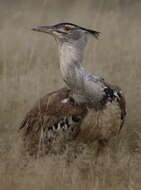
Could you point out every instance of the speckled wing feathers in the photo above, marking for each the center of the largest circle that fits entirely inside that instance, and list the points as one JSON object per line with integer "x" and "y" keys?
{"x": 57, "y": 120}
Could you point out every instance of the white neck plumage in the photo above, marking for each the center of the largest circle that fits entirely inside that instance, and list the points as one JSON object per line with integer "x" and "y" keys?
{"x": 70, "y": 64}
{"x": 86, "y": 87}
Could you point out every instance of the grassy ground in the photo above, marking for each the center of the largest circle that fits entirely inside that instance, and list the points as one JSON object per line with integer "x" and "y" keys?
{"x": 29, "y": 69}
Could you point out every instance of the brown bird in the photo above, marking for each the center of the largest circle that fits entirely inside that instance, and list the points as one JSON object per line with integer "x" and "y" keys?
{"x": 87, "y": 109}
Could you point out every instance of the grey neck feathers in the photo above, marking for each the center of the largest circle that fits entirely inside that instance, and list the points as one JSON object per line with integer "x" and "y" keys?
{"x": 71, "y": 59}
{"x": 86, "y": 87}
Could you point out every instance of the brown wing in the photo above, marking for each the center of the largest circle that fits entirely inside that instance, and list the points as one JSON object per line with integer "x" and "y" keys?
{"x": 53, "y": 111}
{"x": 57, "y": 110}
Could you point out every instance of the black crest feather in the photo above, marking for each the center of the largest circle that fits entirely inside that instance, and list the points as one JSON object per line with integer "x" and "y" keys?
{"x": 92, "y": 32}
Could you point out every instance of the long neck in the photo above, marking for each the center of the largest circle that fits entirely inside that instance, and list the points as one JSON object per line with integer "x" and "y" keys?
{"x": 71, "y": 59}
{"x": 85, "y": 86}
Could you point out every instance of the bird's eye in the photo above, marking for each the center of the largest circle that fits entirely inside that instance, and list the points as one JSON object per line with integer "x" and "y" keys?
{"x": 66, "y": 28}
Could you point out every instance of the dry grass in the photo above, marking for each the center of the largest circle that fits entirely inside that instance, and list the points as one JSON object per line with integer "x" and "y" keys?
{"x": 29, "y": 69}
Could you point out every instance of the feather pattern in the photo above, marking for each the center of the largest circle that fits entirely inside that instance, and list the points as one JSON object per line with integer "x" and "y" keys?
{"x": 51, "y": 123}
{"x": 58, "y": 121}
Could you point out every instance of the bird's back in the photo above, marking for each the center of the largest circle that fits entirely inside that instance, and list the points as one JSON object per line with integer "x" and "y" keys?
{"x": 53, "y": 121}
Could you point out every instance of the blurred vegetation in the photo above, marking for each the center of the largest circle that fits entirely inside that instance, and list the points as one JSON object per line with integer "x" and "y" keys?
{"x": 29, "y": 69}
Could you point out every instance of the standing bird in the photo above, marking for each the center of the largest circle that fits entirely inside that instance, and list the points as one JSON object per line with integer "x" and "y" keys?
{"x": 87, "y": 109}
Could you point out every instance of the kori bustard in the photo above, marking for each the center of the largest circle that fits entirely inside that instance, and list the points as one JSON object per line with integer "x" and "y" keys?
{"x": 87, "y": 109}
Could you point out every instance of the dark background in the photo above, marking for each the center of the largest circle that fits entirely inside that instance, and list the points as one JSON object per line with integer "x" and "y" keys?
{"x": 29, "y": 69}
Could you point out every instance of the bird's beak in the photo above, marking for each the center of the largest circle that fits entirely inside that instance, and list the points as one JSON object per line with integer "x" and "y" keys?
{"x": 46, "y": 29}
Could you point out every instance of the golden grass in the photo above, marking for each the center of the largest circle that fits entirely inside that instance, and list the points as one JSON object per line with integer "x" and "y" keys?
{"x": 29, "y": 69}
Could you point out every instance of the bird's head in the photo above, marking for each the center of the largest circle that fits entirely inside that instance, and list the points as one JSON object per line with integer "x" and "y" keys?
{"x": 67, "y": 32}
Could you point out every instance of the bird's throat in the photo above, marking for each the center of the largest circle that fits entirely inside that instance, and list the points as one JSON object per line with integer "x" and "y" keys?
{"x": 70, "y": 64}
